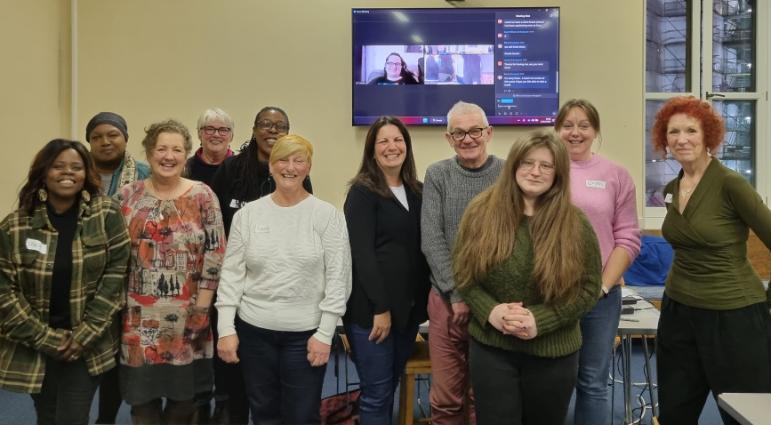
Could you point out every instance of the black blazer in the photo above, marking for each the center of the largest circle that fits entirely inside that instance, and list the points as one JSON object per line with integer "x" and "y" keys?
{"x": 390, "y": 272}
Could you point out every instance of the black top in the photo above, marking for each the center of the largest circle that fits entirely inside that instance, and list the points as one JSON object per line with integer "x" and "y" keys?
{"x": 197, "y": 169}
{"x": 61, "y": 278}
{"x": 233, "y": 193}
{"x": 384, "y": 81}
{"x": 390, "y": 272}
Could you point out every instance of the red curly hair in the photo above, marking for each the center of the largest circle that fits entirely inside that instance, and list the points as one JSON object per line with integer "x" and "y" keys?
{"x": 712, "y": 125}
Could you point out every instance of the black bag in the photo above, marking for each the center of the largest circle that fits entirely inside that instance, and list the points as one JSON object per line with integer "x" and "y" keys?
{"x": 341, "y": 409}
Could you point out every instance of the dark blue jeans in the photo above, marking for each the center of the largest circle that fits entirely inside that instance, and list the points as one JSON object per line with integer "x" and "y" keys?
{"x": 380, "y": 366}
{"x": 281, "y": 385}
{"x": 598, "y": 330}
{"x": 67, "y": 393}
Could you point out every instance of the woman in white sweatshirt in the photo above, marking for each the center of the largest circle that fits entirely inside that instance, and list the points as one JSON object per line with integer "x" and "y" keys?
{"x": 287, "y": 273}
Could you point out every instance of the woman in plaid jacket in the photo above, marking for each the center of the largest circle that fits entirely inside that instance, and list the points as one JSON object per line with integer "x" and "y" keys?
{"x": 63, "y": 256}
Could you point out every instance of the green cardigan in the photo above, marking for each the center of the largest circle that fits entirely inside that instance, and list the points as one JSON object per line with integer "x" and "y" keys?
{"x": 510, "y": 281}
{"x": 710, "y": 268}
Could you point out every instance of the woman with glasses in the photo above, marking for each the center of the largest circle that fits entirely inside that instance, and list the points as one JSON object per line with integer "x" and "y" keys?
{"x": 527, "y": 263}
{"x": 63, "y": 256}
{"x": 177, "y": 246}
{"x": 605, "y": 192}
{"x": 714, "y": 333}
{"x": 215, "y": 131}
{"x": 390, "y": 273}
{"x": 395, "y": 72}
{"x": 284, "y": 285}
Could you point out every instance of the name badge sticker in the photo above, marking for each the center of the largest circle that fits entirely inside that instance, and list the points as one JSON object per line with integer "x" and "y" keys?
{"x": 668, "y": 198}
{"x": 595, "y": 184}
{"x": 36, "y": 245}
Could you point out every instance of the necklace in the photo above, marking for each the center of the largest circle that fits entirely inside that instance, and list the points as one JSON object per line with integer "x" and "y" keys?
{"x": 687, "y": 192}
{"x": 169, "y": 194}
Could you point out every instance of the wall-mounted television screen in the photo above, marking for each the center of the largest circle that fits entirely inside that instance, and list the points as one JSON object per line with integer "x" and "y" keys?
{"x": 416, "y": 63}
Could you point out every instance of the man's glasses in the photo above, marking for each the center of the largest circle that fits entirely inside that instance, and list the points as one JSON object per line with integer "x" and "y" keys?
{"x": 210, "y": 131}
{"x": 458, "y": 135}
{"x": 280, "y": 126}
{"x": 527, "y": 165}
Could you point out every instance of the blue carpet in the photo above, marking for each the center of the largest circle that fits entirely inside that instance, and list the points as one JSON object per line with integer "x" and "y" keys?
{"x": 17, "y": 409}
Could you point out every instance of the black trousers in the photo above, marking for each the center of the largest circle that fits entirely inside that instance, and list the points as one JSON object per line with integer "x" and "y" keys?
{"x": 67, "y": 393}
{"x": 700, "y": 350}
{"x": 109, "y": 395}
{"x": 110, "y": 399}
{"x": 228, "y": 383}
{"x": 513, "y": 388}
{"x": 155, "y": 412}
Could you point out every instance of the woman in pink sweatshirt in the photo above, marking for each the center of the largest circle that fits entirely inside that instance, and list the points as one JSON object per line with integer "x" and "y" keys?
{"x": 605, "y": 192}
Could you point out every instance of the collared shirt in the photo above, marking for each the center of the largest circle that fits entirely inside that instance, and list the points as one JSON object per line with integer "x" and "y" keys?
{"x": 100, "y": 253}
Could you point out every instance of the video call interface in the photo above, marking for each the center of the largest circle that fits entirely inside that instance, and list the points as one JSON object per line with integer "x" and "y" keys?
{"x": 416, "y": 63}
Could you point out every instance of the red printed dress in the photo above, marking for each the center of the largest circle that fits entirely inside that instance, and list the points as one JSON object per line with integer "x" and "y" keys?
{"x": 177, "y": 247}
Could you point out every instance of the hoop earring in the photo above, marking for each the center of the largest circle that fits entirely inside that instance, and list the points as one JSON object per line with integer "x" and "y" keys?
{"x": 42, "y": 194}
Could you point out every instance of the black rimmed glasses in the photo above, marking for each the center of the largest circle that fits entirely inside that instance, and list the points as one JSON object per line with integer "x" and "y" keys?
{"x": 458, "y": 135}
{"x": 222, "y": 131}
{"x": 527, "y": 165}
{"x": 280, "y": 126}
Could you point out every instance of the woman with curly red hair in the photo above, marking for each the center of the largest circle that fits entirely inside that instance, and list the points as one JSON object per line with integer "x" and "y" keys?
{"x": 714, "y": 333}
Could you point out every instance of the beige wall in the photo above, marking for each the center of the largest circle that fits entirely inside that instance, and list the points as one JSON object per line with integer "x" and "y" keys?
{"x": 34, "y": 86}
{"x": 150, "y": 60}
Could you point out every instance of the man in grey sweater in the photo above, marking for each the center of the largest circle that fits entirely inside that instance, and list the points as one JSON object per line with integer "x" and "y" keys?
{"x": 449, "y": 186}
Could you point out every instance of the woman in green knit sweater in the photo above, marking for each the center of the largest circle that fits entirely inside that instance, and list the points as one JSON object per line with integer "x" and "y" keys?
{"x": 527, "y": 263}
{"x": 714, "y": 332}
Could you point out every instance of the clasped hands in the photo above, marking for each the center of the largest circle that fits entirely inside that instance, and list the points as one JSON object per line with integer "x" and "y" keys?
{"x": 513, "y": 319}
{"x": 69, "y": 350}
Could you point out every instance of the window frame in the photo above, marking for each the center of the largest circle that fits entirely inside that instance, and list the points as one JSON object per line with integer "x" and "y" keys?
{"x": 700, "y": 75}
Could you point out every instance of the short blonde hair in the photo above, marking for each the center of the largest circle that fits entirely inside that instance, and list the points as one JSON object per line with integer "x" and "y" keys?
{"x": 289, "y": 145}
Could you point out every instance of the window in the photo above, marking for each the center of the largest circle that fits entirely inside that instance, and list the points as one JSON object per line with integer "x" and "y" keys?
{"x": 708, "y": 49}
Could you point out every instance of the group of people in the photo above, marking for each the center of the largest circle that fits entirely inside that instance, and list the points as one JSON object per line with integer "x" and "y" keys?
{"x": 222, "y": 277}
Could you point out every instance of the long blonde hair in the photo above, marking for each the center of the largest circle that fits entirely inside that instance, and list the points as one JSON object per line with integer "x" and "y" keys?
{"x": 486, "y": 234}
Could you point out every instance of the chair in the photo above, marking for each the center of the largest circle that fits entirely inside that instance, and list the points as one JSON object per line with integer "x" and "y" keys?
{"x": 418, "y": 364}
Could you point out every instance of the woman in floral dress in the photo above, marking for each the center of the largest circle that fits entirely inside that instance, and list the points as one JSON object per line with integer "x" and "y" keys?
{"x": 177, "y": 246}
